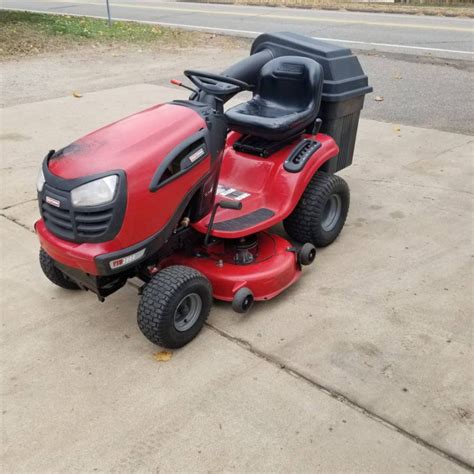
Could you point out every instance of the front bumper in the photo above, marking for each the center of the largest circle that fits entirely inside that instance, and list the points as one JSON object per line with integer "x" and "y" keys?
{"x": 79, "y": 256}
{"x": 91, "y": 258}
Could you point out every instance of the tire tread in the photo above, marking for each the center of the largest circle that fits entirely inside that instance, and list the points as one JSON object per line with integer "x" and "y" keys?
{"x": 153, "y": 316}
{"x": 303, "y": 224}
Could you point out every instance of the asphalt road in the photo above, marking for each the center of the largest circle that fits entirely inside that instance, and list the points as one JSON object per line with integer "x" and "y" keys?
{"x": 432, "y": 36}
{"x": 421, "y": 66}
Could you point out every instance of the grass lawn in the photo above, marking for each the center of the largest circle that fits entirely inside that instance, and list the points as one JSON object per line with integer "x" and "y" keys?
{"x": 23, "y": 33}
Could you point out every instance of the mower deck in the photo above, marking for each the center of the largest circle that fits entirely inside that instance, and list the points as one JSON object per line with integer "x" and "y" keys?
{"x": 274, "y": 269}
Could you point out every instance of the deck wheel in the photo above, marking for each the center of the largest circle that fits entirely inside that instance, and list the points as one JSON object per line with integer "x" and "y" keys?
{"x": 307, "y": 254}
{"x": 243, "y": 300}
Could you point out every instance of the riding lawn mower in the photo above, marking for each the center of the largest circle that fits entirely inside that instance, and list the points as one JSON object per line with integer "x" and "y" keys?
{"x": 183, "y": 195}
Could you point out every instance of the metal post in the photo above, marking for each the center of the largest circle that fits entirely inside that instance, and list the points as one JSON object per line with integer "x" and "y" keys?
{"x": 108, "y": 12}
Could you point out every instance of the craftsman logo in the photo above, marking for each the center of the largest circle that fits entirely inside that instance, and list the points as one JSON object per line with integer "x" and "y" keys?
{"x": 53, "y": 202}
{"x": 196, "y": 155}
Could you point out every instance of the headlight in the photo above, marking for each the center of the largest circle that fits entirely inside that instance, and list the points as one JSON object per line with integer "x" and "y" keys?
{"x": 100, "y": 191}
{"x": 40, "y": 180}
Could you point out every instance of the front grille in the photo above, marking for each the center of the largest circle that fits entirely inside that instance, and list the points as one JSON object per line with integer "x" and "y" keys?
{"x": 94, "y": 224}
{"x": 58, "y": 221}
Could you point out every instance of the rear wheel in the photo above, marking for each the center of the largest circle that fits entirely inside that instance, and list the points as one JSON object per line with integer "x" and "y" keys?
{"x": 174, "y": 306}
{"x": 321, "y": 212}
{"x": 53, "y": 273}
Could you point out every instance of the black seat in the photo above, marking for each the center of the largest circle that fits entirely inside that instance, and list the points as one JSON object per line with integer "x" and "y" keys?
{"x": 285, "y": 102}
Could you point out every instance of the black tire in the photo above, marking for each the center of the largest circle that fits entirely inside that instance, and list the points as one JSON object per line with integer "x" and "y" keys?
{"x": 307, "y": 254}
{"x": 53, "y": 274}
{"x": 326, "y": 195}
{"x": 166, "y": 298}
{"x": 243, "y": 300}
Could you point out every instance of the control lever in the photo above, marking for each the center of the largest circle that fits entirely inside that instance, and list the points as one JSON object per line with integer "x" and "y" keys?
{"x": 180, "y": 84}
{"x": 226, "y": 204}
{"x": 317, "y": 126}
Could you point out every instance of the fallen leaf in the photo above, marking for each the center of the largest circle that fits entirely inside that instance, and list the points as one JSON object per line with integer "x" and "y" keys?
{"x": 77, "y": 94}
{"x": 397, "y": 128}
{"x": 398, "y": 76}
{"x": 163, "y": 356}
{"x": 378, "y": 98}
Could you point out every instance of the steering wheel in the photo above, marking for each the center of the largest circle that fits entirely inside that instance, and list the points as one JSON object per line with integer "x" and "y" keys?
{"x": 216, "y": 84}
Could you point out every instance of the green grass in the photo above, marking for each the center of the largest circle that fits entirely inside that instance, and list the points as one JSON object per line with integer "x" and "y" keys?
{"x": 23, "y": 33}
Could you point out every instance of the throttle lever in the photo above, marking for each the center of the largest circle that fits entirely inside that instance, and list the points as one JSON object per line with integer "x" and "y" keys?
{"x": 176, "y": 82}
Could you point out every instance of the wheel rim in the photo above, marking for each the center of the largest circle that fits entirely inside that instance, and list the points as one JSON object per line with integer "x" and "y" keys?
{"x": 331, "y": 212}
{"x": 187, "y": 312}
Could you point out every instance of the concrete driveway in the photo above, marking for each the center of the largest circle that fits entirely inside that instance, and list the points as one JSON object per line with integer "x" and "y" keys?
{"x": 365, "y": 365}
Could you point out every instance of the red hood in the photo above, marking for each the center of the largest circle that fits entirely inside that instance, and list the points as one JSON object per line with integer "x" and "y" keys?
{"x": 141, "y": 140}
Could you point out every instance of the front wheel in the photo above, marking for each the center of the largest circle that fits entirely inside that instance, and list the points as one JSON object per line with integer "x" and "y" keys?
{"x": 174, "y": 306}
{"x": 54, "y": 274}
{"x": 321, "y": 212}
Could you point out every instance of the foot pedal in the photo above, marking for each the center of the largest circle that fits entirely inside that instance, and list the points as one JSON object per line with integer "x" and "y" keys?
{"x": 245, "y": 221}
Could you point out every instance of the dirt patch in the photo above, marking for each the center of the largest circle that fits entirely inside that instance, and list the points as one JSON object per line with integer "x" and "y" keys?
{"x": 90, "y": 67}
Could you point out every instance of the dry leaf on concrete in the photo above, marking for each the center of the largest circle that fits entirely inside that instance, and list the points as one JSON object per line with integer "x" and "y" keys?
{"x": 397, "y": 128}
{"x": 398, "y": 76}
{"x": 77, "y": 94}
{"x": 378, "y": 98}
{"x": 162, "y": 356}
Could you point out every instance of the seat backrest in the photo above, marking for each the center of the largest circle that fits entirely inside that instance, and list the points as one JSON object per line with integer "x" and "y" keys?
{"x": 291, "y": 82}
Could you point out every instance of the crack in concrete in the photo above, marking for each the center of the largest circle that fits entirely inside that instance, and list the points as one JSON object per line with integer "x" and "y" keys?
{"x": 442, "y": 152}
{"x": 246, "y": 345}
{"x": 17, "y": 222}
{"x": 17, "y": 204}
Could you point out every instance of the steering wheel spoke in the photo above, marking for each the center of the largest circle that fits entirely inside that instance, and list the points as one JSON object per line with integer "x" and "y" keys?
{"x": 216, "y": 84}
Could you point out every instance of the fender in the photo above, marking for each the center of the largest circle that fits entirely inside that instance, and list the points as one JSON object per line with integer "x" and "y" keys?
{"x": 270, "y": 191}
